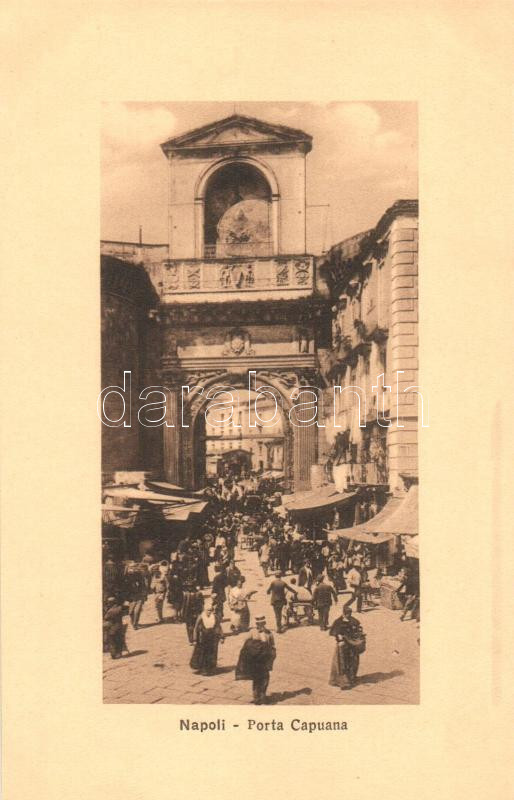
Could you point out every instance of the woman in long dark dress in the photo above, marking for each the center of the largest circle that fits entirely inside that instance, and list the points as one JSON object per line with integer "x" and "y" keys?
{"x": 350, "y": 642}
{"x": 206, "y": 636}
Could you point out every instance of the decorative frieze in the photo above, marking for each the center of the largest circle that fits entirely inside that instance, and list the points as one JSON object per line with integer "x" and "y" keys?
{"x": 236, "y": 275}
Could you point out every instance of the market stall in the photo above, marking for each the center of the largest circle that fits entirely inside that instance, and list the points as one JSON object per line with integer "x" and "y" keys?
{"x": 163, "y": 487}
{"x": 137, "y": 521}
{"x": 380, "y": 543}
{"x": 313, "y": 511}
{"x": 403, "y": 524}
{"x": 390, "y": 535}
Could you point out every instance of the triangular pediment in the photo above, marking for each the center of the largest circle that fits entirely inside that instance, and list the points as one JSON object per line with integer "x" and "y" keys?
{"x": 236, "y": 130}
{"x": 239, "y": 133}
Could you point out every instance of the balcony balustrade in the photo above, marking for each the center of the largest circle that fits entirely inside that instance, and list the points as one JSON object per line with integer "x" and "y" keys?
{"x": 238, "y": 275}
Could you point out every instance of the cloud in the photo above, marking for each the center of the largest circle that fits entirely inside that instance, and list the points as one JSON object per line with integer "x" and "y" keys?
{"x": 364, "y": 157}
{"x": 389, "y": 139}
{"x": 358, "y": 119}
{"x": 133, "y": 127}
{"x": 282, "y": 113}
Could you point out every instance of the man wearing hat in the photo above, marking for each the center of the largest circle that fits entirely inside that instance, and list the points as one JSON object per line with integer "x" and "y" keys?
{"x": 114, "y": 629}
{"x": 136, "y": 591}
{"x": 192, "y": 607}
{"x": 322, "y": 597}
{"x": 305, "y": 576}
{"x": 218, "y": 591}
{"x": 256, "y": 659}
{"x": 277, "y": 589}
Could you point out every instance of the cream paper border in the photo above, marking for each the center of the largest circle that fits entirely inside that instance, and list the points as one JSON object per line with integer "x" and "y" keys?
{"x": 454, "y": 59}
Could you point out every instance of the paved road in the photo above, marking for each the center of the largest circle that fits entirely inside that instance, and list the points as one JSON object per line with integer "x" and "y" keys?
{"x": 157, "y": 669}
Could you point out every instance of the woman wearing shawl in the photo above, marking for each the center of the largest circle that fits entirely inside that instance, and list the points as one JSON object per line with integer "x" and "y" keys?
{"x": 206, "y": 637}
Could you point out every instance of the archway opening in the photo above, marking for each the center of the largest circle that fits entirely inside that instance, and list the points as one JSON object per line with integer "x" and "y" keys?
{"x": 237, "y": 213}
{"x": 226, "y": 445}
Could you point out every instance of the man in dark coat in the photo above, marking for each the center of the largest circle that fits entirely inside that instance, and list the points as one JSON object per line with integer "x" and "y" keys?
{"x": 296, "y": 556}
{"x": 322, "y": 597}
{"x": 277, "y": 589}
{"x": 284, "y": 554}
{"x": 175, "y": 593}
{"x": 114, "y": 628}
{"x": 218, "y": 591}
{"x": 136, "y": 592}
{"x": 192, "y": 607}
{"x": 256, "y": 660}
{"x": 112, "y": 577}
{"x": 350, "y": 642}
{"x": 203, "y": 564}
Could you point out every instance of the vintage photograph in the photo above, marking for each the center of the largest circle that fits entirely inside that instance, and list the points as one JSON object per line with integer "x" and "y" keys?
{"x": 259, "y": 403}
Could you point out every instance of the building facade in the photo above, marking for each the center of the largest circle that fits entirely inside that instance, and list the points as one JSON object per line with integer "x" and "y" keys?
{"x": 234, "y": 292}
{"x": 373, "y": 279}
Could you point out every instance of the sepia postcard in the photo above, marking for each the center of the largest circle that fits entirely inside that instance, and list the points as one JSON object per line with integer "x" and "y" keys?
{"x": 259, "y": 406}
{"x": 257, "y": 328}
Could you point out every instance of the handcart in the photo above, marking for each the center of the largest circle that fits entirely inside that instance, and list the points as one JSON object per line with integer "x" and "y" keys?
{"x": 297, "y": 611}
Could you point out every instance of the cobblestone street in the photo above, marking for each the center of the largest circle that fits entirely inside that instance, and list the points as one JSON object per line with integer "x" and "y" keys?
{"x": 157, "y": 669}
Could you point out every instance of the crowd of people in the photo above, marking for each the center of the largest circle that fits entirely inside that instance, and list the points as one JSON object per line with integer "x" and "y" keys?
{"x": 201, "y": 583}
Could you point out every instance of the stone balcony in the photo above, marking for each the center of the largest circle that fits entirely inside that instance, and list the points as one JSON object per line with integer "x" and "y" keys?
{"x": 219, "y": 278}
{"x": 245, "y": 278}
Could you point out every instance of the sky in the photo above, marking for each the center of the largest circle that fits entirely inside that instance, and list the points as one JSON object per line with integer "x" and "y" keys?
{"x": 364, "y": 158}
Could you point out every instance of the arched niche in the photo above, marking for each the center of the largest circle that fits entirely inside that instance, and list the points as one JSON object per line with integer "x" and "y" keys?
{"x": 236, "y": 210}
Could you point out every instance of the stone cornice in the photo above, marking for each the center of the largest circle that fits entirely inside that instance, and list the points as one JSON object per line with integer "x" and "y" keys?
{"x": 301, "y": 311}
{"x": 244, "y": 364}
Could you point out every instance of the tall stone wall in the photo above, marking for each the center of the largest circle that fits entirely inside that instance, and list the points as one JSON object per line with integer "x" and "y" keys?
{"x": 130, "y": 342}
{"x": 120, "y": 352}
{"x": 402, "y": 437}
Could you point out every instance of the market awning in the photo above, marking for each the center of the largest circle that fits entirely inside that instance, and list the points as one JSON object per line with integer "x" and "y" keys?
{"x": 123, "y": 517}
{"x": 140, "y": 494}
{"x": 368, "y": 531}
{"x": 361, "y": 536}
{"x": 404, "y": 521}
{"x": 172, "y": 488}
{"x": 108, "y": 507}
{"x": 323, "y": 498}
{"x": 164, "y": 485}
{"x": 182, "y": 513}
{"x": 399, "y": 517}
